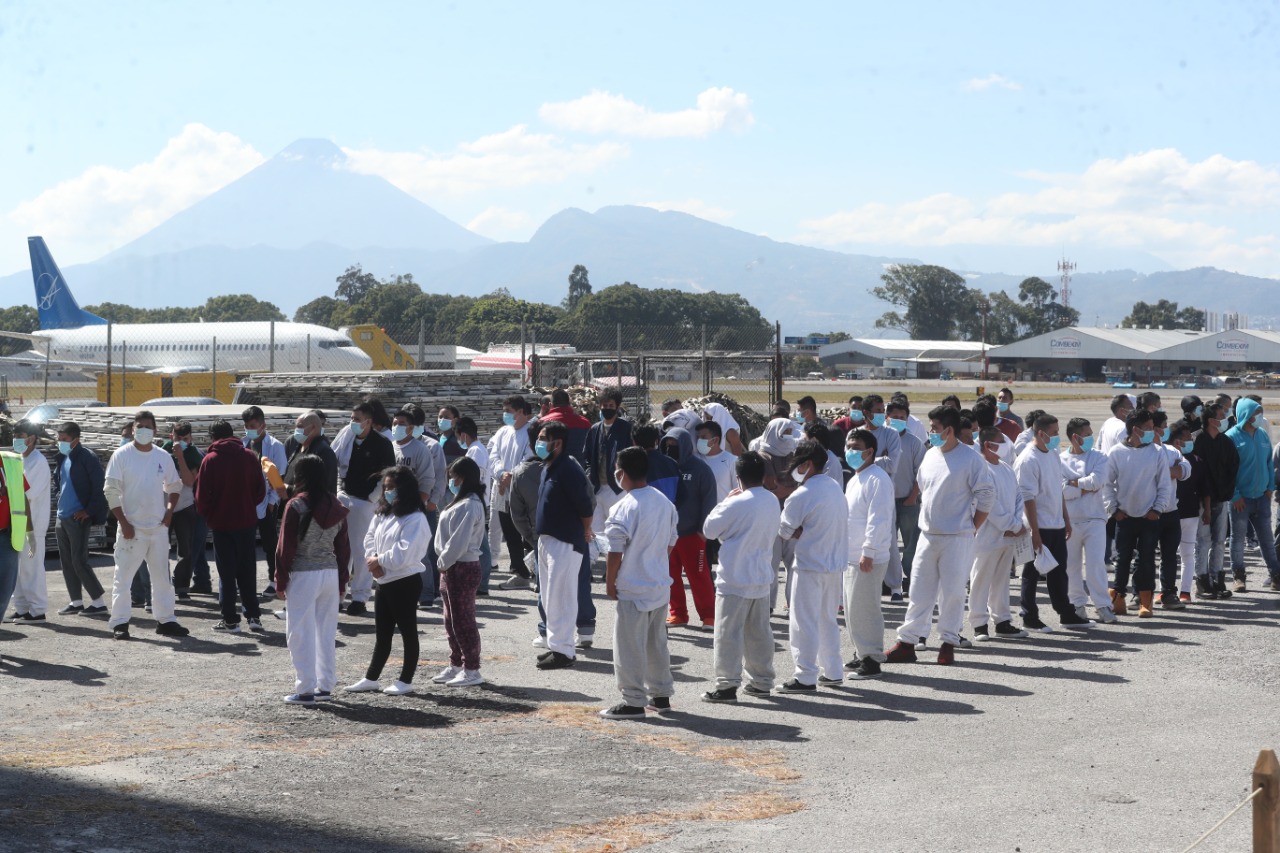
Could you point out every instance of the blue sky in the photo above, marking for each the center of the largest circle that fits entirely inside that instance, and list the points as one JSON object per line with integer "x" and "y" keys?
{"x": 1095, "y": 127}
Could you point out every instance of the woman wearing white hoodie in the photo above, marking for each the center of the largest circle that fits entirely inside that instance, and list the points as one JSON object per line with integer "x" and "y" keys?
{"x": 397, "y": 541}
{"x": 459, "y": 540}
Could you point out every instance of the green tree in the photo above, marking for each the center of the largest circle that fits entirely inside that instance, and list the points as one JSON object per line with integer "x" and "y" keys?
{"x": 836, "y": 337}
{"x": 238, "y": 307}
{"x": 388, "y": 306}
{"x": 936, "y": 301}
{"x": 498, "y": 318}
{"x": 1041, "y": 312}
{"x": 19, "y": 318}
{"x": 353, "y": 284}
{"x": 579, "y": 288}
{"x": 319, "y": 311}
{"x": 1161, "y": 315}
{"x": 1191, "y": 318}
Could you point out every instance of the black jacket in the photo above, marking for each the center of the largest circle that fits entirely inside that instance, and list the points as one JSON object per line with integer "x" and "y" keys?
{"x": 369, "y": 459}
{"x": 619, "y": 439}
{"x": 320, "y": 447}
{"x": 1223, "y": 463}
{"x": 87, "y": 478}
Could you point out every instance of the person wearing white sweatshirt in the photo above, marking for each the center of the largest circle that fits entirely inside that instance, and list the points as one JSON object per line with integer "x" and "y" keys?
{"x": 816, "y": 517}
{"x": 869, "y": 499}
{"x": 1084, "y": 469}
{"x": 459, "y": 543}
{"x": 994, "y": 547}
{"x": 956, "y": 495}
{"x": 30, "y": 596}
{"x": 746, "y": 523}
{"x": 1137, "y": 484}
{"x": 394, "y": 545}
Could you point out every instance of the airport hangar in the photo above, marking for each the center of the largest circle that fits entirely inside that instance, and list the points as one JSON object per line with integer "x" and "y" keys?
{"x": 889, "y": 358}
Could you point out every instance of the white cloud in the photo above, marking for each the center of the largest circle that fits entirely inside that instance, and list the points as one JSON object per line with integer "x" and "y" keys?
{"x": 105, "y": 207}
{"x": 1216, "y": 212}
{"x": 512, "y": 158}
{"x": 997, "y": 81}
{"x": 603, "y": 112}
{"x": 692, "y": 206}
{"x": 499, "y": 223}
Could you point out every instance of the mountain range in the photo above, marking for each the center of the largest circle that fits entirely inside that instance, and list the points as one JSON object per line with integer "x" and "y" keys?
{"x": 285, "y": 230}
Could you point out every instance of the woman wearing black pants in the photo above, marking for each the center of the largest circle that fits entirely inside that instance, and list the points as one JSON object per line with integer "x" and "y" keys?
{"x": 393, "y": 548}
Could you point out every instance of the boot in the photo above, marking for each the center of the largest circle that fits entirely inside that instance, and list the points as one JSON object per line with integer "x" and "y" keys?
{"x": 1145, "y": 598}
{"x": 1205, "y": 589}
{"x": 1239, "y": 584}
{"x": 1220, "y": 585}
{"x": 1117, "y": 603}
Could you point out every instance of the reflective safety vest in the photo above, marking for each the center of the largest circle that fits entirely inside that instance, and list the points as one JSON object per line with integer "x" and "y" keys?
{"x": 14, "y": 476}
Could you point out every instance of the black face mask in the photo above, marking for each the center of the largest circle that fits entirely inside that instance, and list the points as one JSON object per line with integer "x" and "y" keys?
{"x": 608, "y": 414}
{"x": 673, "y": 451}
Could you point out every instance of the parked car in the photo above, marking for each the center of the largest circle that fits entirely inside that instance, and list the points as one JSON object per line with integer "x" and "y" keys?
{"x": 1073, "y": 378}
{"x": 47, "y": 413}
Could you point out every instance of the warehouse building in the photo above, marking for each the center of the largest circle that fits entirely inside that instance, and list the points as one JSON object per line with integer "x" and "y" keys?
{"x": 876, "y": 358}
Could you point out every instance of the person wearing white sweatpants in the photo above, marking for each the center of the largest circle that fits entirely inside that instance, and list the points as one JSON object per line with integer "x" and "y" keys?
{"x": 816, "y": 518}
{"x": 30, "y": 596}
{"x": 994, "y": 546}
{"x": 870, "y": 503}
{"x": 359, "y": 517}
{"x": 150, "y": 544}
{"x": 558, "y": 567}
{"x": 956, "y": 494}
{"x": 1084, "y": 471}
{"x": 311, "y": 624}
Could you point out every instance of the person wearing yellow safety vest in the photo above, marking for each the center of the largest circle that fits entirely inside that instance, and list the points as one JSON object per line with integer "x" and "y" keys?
{"x": 142, "y": 488}
{"x": 14, "y": 527}
{"x": 30, "y": 597}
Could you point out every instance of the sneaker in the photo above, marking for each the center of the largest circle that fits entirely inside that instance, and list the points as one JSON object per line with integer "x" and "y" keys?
{"x": 15, "y": 616}
{"x": 70, "y": 609}
{"x": 94, "y": 610}
{"x": 830, "y": 682}
{"x": 946, "y": 654}
{"x": 868, "y": 667}
{"x": 357, "y": 608}
{"x": 1170, "y": 601}
{"x": 202, "y": 589}
{"x": 727, "y": 694}
{"x": 255, "y": 625}
{"x": 583, "y": 643}
{"x": 1107, "y": 615}
{"x": 1008, "y": 631}
{"x": 794, "y": 686}
{"x": 33, "y": 617}
{"x": 1081, "y": 612}
{"x": 120, "y": 632}
{"x": 1275, "y": 585}
{"x": 466, "y": 678}
{"x": 981, "y": 634}
{"x": 172, "y": 629}
{"x": 758, "y": 692}
{"x": 1073, "y": 620}
{"x": 447, "y": 674}
{"x": 181, "y": 595}
{"x": 965, "y": 643}
{"x": 516, "y": 582}
{"x": 544, "y": 656}
{"x": 555, "y": 660}
{"x": 709, "y": 627}
{"x": 146, "y": 608}
{"x": 323, "y": 695}
{"x": 895, "y": 598}
{"x": 364, "y": 685}
{"x": 398, "y": 688}
{"x": 224, "y": 627}
{"x": 300, "y": 699}
{"x": 426, "y": 605}
{"x": 1033, "y": 623}
{"x": 660, "y": 704}
{"x": 623, "y": 711}
{"x": 676, "y": 620}
{"x": 539, "y": 642}
{"x": 922, "y": 645}
{"x": 901, "y": 653}
{"x": 1184, "y": 597}
{"x": 482, "y": 593}
{"x": 268, "y": 593}
{"x": 282, "y": 614}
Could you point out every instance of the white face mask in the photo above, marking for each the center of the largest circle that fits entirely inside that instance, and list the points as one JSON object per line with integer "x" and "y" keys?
{"x": 797, "y": 476}
{"x": 143, "y": 435}
{"x": 1005, "y": 452}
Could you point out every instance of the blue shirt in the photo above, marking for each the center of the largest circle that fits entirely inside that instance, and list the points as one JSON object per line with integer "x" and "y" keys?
{"x": 68, "y": 502}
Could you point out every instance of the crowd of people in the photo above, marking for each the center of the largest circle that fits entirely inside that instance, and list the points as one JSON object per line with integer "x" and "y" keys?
{"x": 877, "y": 507}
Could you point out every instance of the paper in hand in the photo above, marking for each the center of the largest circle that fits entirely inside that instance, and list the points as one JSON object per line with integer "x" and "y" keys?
{"x": 1045, "y": 562}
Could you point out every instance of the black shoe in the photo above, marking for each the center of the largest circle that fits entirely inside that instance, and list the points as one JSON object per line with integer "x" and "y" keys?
{"x": 31, "y": 617}
{"x": 728, "y": 694}
{"x": 182, "y": 595}
{"x": 1170, "y": 601}
{"x": 19, "y": 617}
{"x": 661, "y": 704}
{"x": 137, "y": 602}
{"x": 1220, "y": 585}
{"x": 94, "y": 610}
{"x": 171, "y": 629}
{"x": 981, "y": 633}
{"x": 1204, "y": 588}
{"x": 120, "y": 632}
{"x": 357, "y": 608}
{"x": 545, "y": 655}
{"x": 484, "y": 593}
{"x": 202, "y": 589}
{"x": 426, "y": 605}
{"x": 868, "y": 667}
{"x": 752, "y": 690}
{"x": 267, "y": 594}
{"x": 70, "y": 609}
{"x": 1008, "y": 631}
{"x": 1071, "y": 619}
{"x": 623, "y": 711}
{"x": 556, "y": 661}
{"x": 1033, "y": 623}
{"x": 794, "y": 686}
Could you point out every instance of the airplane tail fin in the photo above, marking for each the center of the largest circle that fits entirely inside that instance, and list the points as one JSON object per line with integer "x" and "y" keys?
{"x": 56, "y": 306}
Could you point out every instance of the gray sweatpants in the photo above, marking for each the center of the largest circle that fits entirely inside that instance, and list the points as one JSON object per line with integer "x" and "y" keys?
{"x": 862, "y": 614}
{"x": 641, "y": 662}
{"x": 743, "y": 641}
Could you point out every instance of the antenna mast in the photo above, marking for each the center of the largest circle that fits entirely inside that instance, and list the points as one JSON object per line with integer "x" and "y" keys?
{"x": 1065, "y": 268}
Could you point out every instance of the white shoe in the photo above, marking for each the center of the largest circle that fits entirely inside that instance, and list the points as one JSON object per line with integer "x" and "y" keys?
{"x": 398, "y": 689}
{"x": 447, "y": 674}
{"x": 539, "y": 642}
{"x": 965, "y": 643}
{"x": 1081, "y": 612}
{"x": 1106, "y": 614}
{"x": 921, "y": 645}
{"x": 364, "y": 685}
{"x": 466, "y": 678}
{"x": 582, "y": 643}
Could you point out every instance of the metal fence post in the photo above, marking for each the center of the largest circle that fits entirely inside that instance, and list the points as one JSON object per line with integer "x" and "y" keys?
{"x": 109, "y": 328}
{"x": 213, "y": 381}
{"x": 777, "y": 363}
{"x": 308, "y": 352}
{"x": 271, "y": 362}
{"x": 124, "y": 373}
{"x": 1266, "y": 806}
{"x": 706, "y": 367}
{"x": 618, "y": 369}
{"x": 524, "y": 357}
{"x": 47, "y": 345}
{"x": 422, "y": 342}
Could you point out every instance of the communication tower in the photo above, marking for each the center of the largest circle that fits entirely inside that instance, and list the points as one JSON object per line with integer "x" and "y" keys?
{"x": 1065, "y": 268}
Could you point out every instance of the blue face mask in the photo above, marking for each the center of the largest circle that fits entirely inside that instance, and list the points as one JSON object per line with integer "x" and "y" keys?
{"x": 855, "y": 415}
{"x": 251, "y": 434}
{"x": 64, "y": 447}
{"x": 418, "y": 431}
{"x": 453, "y": 487}
{"x": 508, "y": 419}
{"x": 798, "y": 418}
{"x": 299, "y": 435}
{"x": 184, "y": 444}
{"x": 854, "y": 458}
{"x": 19, "y": 445}
{"x": 877, "y": 419}
{"x": 463, "y": 444}
{"x": 1164, "y": 434}
{"x": 1002, "y": 407}
{"x": 1199, "y": 412}
{"x": 704, "y": 446}
{"x": 445, "y": 424}
{"x": 541, "y": 449}
{"x": 1187, "y": 449}
{"x": 390, "y": 495}
{"x": 898, "y": 424}
{"x": 936, "y": 440}
{"x": 399, "y": 432}
{"x": 1086, "y": 443}
{"x": 1148, "y": 436}
{"x": 1054, "y": 443}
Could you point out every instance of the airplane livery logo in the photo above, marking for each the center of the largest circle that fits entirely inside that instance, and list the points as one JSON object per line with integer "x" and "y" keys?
{"x": 46, "y": 301}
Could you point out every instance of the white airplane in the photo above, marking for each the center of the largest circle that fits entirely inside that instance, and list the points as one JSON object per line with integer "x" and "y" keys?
{"x": 72, "y": 337}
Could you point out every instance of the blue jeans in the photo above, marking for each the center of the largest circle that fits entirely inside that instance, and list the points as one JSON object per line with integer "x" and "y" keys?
{"x": 1256, "y": 511}
{"x": 8, "y": 570}
{"x": 586, "y": 621}
{"x": 1211, "y": 540}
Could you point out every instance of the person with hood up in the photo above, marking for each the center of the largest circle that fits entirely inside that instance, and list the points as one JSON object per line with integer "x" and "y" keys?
{"x": 1255, "y": 483}
{"x": 730, "y": 431}
{"x": 695, "y": 498}
{"x": 776, "y": 447}
{"x": 664, "y": 474}
{"x": 312, "y": 555}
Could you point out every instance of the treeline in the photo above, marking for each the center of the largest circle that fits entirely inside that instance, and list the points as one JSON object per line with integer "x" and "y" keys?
{"x": 652, "y": 318}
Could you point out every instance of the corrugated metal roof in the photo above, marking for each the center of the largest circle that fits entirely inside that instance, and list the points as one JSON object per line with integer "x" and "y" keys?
{"x": 899, "y": 349}
{"x": 1097, "y": 343}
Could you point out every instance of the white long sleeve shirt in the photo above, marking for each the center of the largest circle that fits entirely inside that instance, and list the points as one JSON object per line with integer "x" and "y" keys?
{"x": 917, "y": 428}
{"x": 1007, "y": 507}
{"x": 478, "y": 454}
{"x": 642, "y": 528}
{"x": 1137, "y": 480}
{"x": 399, "y": 542}
{"x": 1173, "y": 458}
{"x": 1040, "y": 478}
{"x": 888, "y": 448}
{"x": 869, "y": 499}
{"x": 746, "y": 525}
{"x": 904, "y": 477}
{"x": 1111, "y": 434}
{"x": 817, "y": 509}
{"x": 39, "y": 483}
{"x": 139, "y": 482}
{"x": 507, "y": 449}
{"x": 459, "y": 533}
{"x": 1084, "y": 501}
{"x": 952, "y": 486}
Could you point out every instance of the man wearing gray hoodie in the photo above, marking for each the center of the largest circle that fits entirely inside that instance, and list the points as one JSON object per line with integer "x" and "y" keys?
{"x": 695, "y": 498}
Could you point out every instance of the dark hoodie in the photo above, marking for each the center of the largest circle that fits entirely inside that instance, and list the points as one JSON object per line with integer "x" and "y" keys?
{"x": 696, "y": 490}
{"x": 229, "y": 486}
{"x": 322, "y": 545}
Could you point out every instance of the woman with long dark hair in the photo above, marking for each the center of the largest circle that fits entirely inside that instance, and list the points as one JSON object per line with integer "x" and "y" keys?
{"x": 459, "y": 536}
{"x": 312, "y": 554}
{"x": 394, "y": 547}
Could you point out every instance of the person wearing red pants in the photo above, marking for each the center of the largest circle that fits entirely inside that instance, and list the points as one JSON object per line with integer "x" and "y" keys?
{"x": 695, "y": 498}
